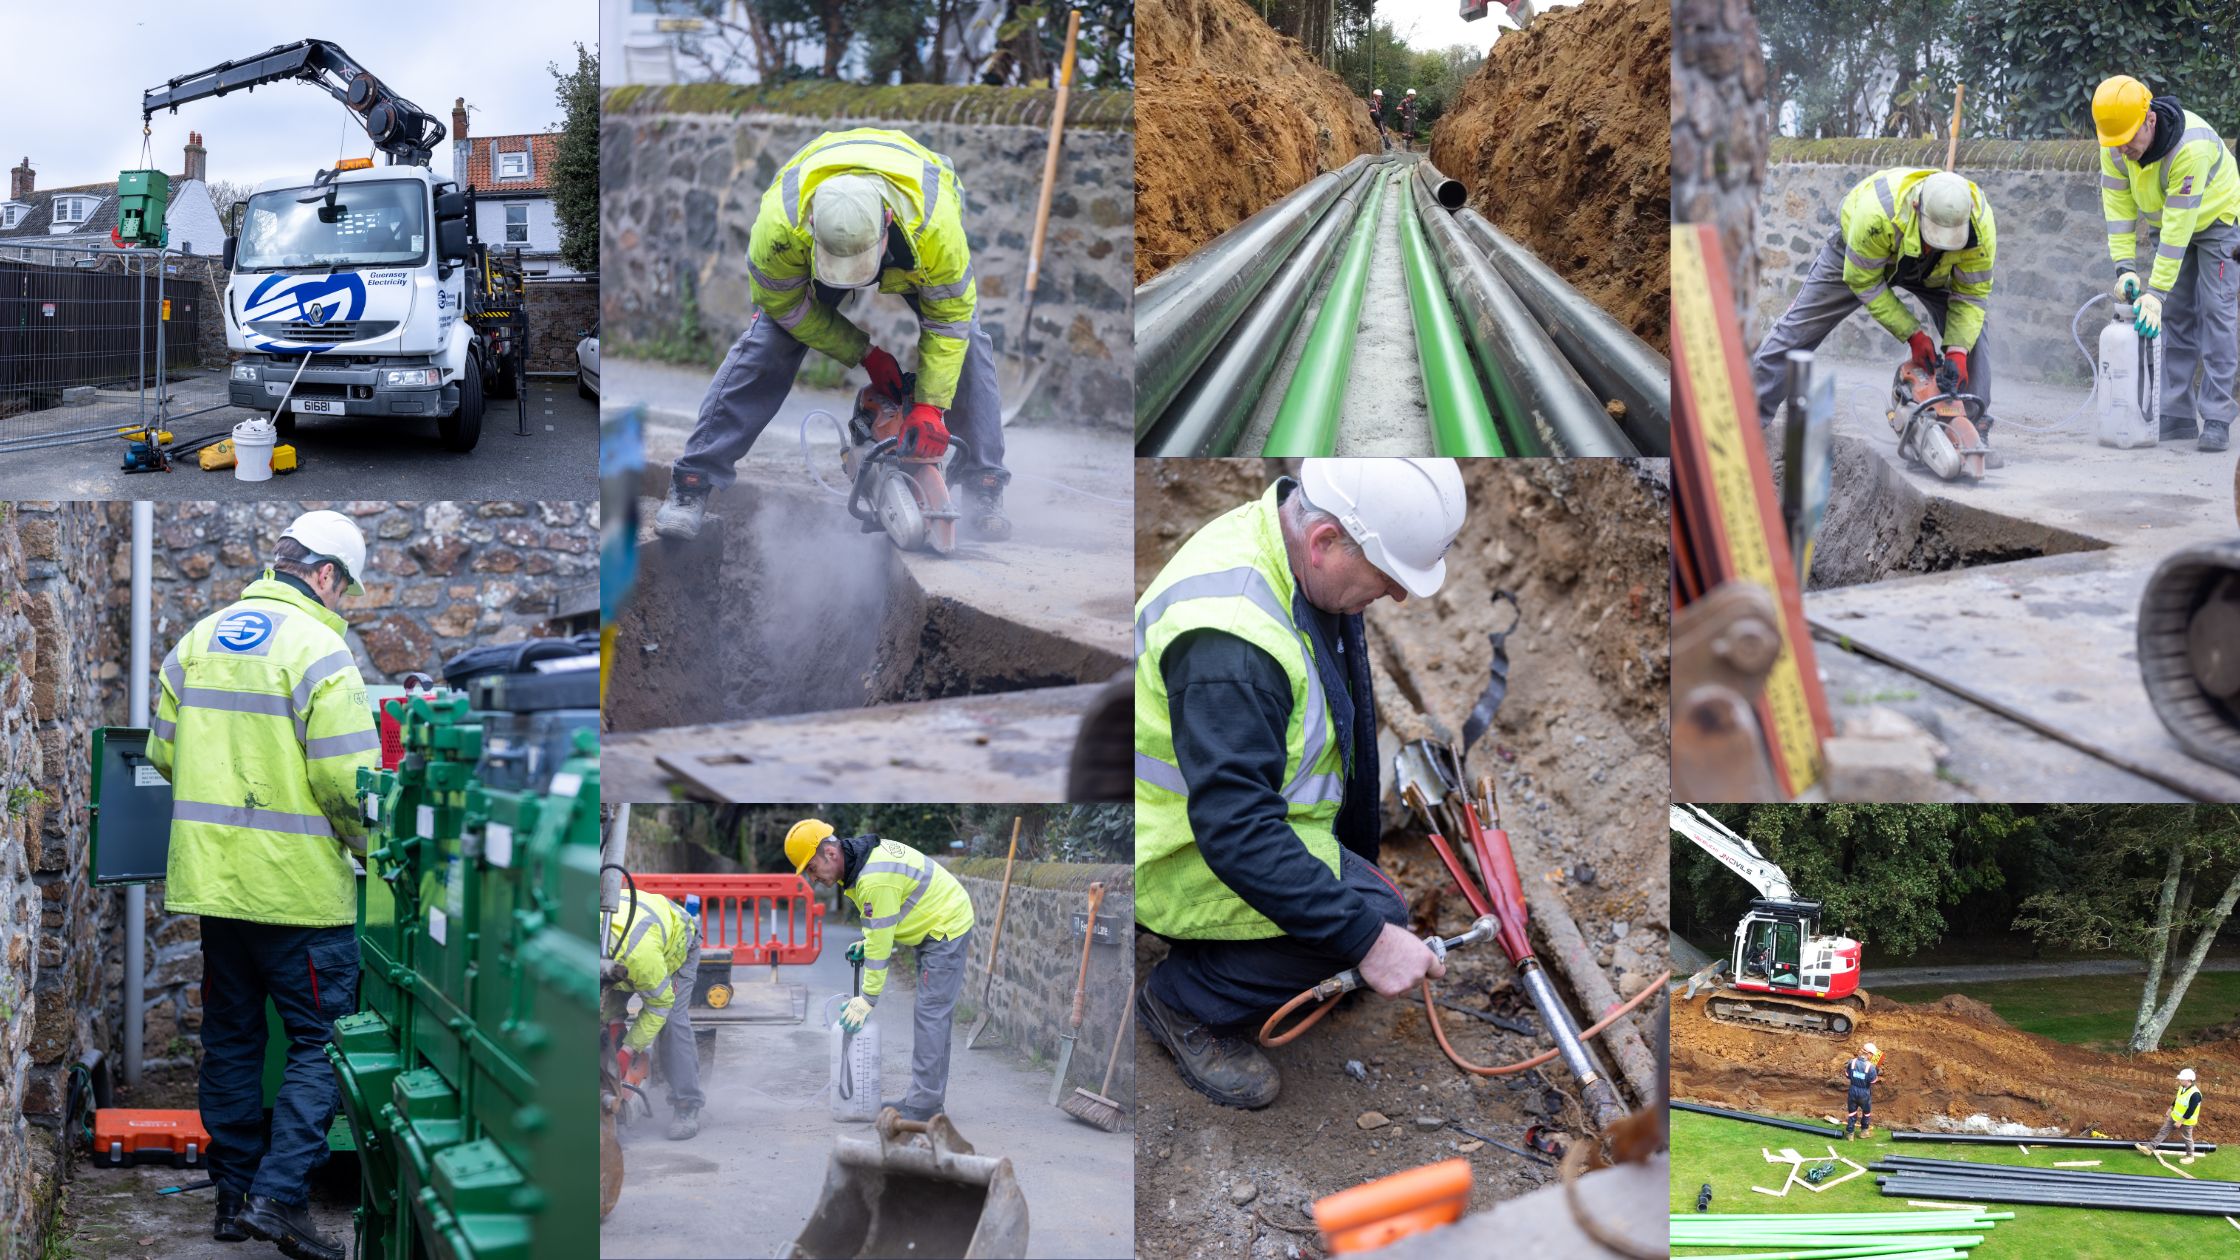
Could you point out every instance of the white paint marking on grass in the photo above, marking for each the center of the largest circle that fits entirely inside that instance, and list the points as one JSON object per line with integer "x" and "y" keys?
{"x": 1932, "y": 1203}
{"x": 2076, "y": 1163}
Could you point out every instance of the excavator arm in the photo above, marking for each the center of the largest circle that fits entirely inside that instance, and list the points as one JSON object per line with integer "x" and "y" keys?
{"x": 397, "y": 127}
{"x": 1734, "y": 852}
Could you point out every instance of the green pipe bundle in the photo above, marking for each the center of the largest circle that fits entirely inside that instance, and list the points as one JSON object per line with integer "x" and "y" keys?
{"x": 1461, "y": 423}
{"x": 1927, "y": 1235}
{"x": 1307, "y": 422}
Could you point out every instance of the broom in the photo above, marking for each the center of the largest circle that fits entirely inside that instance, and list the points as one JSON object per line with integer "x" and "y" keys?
{"x": 1098, "y": 1108}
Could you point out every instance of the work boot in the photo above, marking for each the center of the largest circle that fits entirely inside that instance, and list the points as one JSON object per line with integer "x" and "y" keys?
{"x": 2215, "y": 436}
{"x": 983, "y": 513}
{"x": 684, "y": 510}
{"x": 684, "y": 1124}
{"x": 1226, "y": 1067}
{"x": 289, "y": 1225}
{"x": 908, "y": 1113}
{"x": 227, "y": 1226}
{"x": 2178, "y": 428}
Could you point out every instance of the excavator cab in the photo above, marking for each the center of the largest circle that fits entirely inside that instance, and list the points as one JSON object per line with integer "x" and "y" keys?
{"x": 1770, "y": 951}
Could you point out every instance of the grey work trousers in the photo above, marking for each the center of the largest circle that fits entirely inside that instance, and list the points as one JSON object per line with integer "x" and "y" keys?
{"x": 1825, "y": 301}
{"x": 758, "y": 374}
{"x": 940, "y": 978}
{"x": 675, "y": 1054}
{"x": 2162, "y": 1134}
{"x": 2201, "y": 330}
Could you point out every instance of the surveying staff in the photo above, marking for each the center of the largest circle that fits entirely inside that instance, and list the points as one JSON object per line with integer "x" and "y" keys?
{"x": 1859, "y": 1077}
{"x": 657, "y": 957}
{"x": 905, "y": 898}
{"x": 856, "y": 210}
{"x": 1256, "y": 757}
{"x": 262, "y": 727}
{"x": 1924, "y": 232}
{"x": 2167, "y": 165}
{"x": 2185, "y": 1113}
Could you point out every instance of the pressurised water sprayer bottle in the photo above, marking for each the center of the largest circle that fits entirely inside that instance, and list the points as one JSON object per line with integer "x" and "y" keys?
{"x": 2130, "y": 384}
{"x": 854, "y": 1059}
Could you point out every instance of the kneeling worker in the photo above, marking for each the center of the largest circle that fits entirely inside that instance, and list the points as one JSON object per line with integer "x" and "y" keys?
{"x": 905, "y": 898}
{"x": 657, "y": 957}
{"x": 1256, "y": 757}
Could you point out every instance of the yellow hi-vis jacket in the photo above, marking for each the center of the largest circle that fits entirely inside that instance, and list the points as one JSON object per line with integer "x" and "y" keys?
{"x": 927, "y": 202}
{"x": 904, "y": 898}
{"x": 1881, "y": 229}
{"x": 261, "y": 727}
{"x": 2192, "y": 186}
{"x": 659, "y": 940}
{"x": 2186, "y": 1109}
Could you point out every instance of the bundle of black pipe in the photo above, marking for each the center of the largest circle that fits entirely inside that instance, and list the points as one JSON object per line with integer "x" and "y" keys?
{"x": 1798, "y": 1126}
{"x": 1909, "y": 1176}
{"x": 1183, "y": 312}
{"x": 2082, "y": 1143}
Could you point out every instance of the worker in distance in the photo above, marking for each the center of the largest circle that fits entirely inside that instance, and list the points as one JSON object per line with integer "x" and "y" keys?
{"x": 2185, "y": 1114}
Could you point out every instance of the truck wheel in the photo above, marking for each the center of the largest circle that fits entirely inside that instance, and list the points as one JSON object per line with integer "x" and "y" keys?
{"x": 505, "y": 379}
{"x": 463, "y": 428}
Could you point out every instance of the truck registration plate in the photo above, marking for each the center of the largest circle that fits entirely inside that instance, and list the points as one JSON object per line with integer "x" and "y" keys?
{"x": 319, "y": 406}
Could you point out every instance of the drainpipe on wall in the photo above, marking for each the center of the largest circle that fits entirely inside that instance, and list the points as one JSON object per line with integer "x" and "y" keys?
{"x": 136, "y": 895}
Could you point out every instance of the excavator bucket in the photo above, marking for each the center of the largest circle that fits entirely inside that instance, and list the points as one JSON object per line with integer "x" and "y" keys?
{"x": 914, "y": 1189}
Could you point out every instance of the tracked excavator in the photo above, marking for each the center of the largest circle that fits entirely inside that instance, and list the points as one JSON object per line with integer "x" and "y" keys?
{"x": 1782, "y": 974}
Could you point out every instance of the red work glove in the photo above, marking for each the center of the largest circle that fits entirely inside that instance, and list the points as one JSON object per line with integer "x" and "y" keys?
{"x": 1959, "y": 361}
{"x": 1924, "y": 350}
{"x": 923, "y": 433}
{"x": 885, "y": 375}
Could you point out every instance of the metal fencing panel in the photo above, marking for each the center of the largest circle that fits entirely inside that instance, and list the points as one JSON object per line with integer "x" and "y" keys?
{"x": 89, "y": 339}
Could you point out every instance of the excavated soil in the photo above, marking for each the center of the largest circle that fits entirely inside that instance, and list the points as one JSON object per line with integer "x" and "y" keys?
{"x": 1578, "y": 752}
{"x": 1564, "y": 138}
{"x": 1943, "y": 1061}
{"x": 1229, "y": 117}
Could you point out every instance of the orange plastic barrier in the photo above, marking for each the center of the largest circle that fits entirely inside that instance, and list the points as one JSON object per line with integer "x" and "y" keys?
{"x": 758, "y": 918}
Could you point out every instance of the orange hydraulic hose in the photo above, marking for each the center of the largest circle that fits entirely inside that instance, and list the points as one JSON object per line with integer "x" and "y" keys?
{"x": 1270, "y": 1038}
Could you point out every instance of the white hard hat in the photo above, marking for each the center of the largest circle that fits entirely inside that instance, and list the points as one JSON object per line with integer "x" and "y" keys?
{"x": 333, "y": 536}
{"x": 1376, "y": 91}
{"x": 1871, "y": 1048}
{"x": 1404, "y": 512}
{"x": 1411, "y": 91}
{"x": 848, "y": 218}
{"x": 1947, "y": 203}
{"x": 2186, "y": 1075}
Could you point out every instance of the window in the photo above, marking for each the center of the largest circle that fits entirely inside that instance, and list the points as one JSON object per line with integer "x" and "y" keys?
{"x": 12, "y": 214}
{"x": 74, "y": 209}
{"x": 517, "y": 225}
{"x": 513, "y": 166}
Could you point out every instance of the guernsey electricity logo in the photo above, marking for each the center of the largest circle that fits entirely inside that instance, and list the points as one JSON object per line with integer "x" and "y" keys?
{"x": 313, "y": 300}
{"x": 243, "y": 631}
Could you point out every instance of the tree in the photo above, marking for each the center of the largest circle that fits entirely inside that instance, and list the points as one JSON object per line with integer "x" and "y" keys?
{"x": 2036, "y": 64}
{"x": 575, "y": 180}
{"x": 225, "y": 194}
{"x": 914, "y": 41}
{"x": 2135, "y": 882}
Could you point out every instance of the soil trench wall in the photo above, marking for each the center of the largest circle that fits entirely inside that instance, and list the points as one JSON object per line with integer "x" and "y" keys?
{"x": 2053, "y": 253}
{"x": 683, "y": 171}
{"x": 1041, "y": 954}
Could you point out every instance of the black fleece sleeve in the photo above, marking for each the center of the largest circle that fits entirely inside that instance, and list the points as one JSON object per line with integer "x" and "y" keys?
{"x": 1231, "y": 703}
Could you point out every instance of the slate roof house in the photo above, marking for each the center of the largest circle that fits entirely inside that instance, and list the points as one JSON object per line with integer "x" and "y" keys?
{"x": 85, "y": 214}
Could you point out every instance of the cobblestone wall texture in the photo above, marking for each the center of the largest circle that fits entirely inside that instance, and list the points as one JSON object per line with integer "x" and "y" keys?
{"x": 1040, "y": 956}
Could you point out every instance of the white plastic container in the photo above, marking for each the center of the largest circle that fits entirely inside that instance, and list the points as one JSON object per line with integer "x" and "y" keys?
{"x": 253, "y": 441}
{"x": 2130, "y": 414}
{"x": 854, "y": 1062}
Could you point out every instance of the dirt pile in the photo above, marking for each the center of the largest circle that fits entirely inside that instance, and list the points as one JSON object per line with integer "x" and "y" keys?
{"x": 1229, "y": 117}
{"x": 1942, "y": 1060}
{"x": 1564, "y": 138}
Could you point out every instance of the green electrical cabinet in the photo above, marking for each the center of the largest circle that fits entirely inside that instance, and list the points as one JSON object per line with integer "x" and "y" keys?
{"x": 141, "y": 200}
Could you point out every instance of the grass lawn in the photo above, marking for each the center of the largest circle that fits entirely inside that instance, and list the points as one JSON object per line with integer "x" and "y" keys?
{"x": 1728, "y": 1154}
{"x": 2093, "y": 1011}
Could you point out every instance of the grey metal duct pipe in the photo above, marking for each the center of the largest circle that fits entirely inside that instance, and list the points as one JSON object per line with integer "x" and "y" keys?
{"x": 1965, "y": 1168}
{"x": 1183, "y": 312}
{"x": 1991, "y": 1190}
{"x": 1449, "y": 192}
{"x": 1542, "y": 401}
{"x": 136, "y": 895}
{"x": 1993, "y": 1139}
{"x": 1206, "y": 417}
{"x": 1615, "y": 363}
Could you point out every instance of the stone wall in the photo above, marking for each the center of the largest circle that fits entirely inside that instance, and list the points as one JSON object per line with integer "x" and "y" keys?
{"x": 58, "y": 646}
{"x": 2052, "y": 251}
{"x": 1040, "y": 956}
{"x": 683, "y": 171}
{"x": 560, "y": 311}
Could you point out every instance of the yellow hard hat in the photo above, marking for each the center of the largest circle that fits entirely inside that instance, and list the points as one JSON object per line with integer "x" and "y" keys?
{"x": 803, "y": 839}
{"x": 2119, "y": 105}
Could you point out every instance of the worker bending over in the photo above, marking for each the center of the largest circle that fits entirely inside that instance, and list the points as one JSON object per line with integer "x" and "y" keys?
{"x": 262, "y": 726}
{"x": 1859, "y": 1077}
{"x": 1904, "y": 230}
{"x": 2185, "y": 1113}
{"x": 657, "y": 956}
{"x": 1256, "y": 757}
{"x": 856, "y": 210}
{"x": 905, "y": 898}
{"x": 2167, "y": 165}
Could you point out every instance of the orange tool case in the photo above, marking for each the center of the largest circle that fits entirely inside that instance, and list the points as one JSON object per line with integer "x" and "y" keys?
{"x": 131, "y": 1136}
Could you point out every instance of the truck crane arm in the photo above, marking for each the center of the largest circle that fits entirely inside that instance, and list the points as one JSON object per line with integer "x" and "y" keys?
{"x": 399, "y": 128}
{"x": 1734, "y": 852}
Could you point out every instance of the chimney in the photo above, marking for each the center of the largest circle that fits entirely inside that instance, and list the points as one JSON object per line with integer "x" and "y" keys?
{"x": 19, "y": 181}
{"x": 459, "y": 118}
{"x": 460, "y": 150}
{"x": 198, "y": 159}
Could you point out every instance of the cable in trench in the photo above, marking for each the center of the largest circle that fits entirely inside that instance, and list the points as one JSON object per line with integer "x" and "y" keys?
{"x": 1270, "y": 1038}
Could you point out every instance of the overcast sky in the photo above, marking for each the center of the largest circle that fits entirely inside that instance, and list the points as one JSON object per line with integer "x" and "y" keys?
{"x": 1430, "y": 25}
{"x": 70, "y": 95}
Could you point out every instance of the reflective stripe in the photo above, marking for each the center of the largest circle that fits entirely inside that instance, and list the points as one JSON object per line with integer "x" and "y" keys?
{"x": 236, "y": 701}
{"x": 799, "y": 312}
{"x": 2118, "y": 227}
{"x": 932, "y": 186}
{"x": 939, "y": 292}
{"x": 842, "y": 144}
{"x": 877, "y": 964}
{"x": 638, "y": 932}
{"x": 254, "y": 819}
{"x": 789, "y": 191}
{"x": 1159, "y": 774}
{"x": 342, "y": 745}
{"x": 1962, "y": 299}
{"x": 771, "y": 283}
{"x": 319, "y": 671}
{"x": 1875, "y": 292}
{"x": 2169, "y": 251}
{"x": 1970, "y": 277}
{"x": 2152, "y": 216}
{"x": 166, "y": 730}
{"x": 2114, "y": 183}
{"x": 1862, "y": 262}
{"x": 664, "y": 991}
{"x": 946, "y": 328}
{"x": 1882, "y": 192}
{"x": 2187, "y": 202}
{"x": 1315, "y": 788}
{"x": 174, "y": 673}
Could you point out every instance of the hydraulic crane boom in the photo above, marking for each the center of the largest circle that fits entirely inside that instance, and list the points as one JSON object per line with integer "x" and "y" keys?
{"x": 1736, "y": 853}
{"x": 399, "y": 128}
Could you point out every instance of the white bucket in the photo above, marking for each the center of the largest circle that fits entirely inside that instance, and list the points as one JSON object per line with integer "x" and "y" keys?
{"x": 253, "y": 441}
{"x": 854, "y": 1063}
